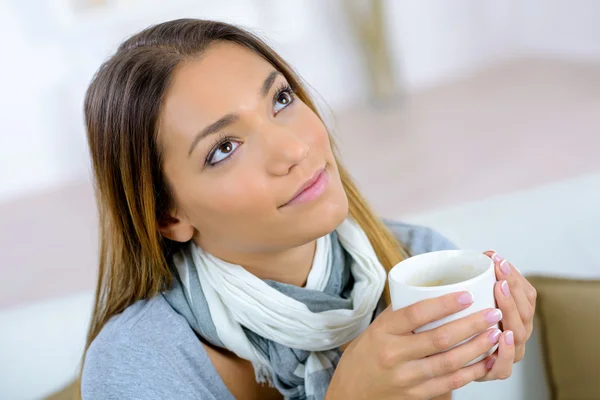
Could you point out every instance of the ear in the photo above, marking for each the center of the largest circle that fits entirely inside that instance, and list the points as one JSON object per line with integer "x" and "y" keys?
{"x": 175, "y": 227}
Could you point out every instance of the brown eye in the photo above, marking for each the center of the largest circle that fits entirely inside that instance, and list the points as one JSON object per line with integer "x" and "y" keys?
{"x": 226, "y": 147}
{"x": 284, "y": 98}
{"x": 222, "y": 151}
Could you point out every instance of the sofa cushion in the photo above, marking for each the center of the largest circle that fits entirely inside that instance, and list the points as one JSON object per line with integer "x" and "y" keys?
{"x": 69, "y": 392}
{"x": 568, "y": 315}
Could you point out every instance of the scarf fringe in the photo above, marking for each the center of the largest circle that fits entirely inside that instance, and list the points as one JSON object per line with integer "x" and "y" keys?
{"x": 263, "y": 374}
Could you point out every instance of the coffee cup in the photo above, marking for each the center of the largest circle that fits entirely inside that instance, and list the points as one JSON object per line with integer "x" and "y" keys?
{"x": 438, "y": 273}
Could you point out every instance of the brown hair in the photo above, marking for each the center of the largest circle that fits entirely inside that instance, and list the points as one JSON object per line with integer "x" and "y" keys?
{"x": 122, "y": 107}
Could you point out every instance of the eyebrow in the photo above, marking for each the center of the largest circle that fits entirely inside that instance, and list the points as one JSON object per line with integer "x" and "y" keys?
{"x": 269, "y": 82}
{"x": 229, "y": 119}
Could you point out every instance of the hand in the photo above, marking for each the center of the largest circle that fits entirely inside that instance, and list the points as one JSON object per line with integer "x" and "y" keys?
{"x": 389, "y": 361}
{"x": 516, "y": 298}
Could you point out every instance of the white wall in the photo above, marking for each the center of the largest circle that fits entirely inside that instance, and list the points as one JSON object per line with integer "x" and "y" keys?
{"x": 561, "y": 28}
{"x": 435, "y": 41}
{"x": 29, "y": 74}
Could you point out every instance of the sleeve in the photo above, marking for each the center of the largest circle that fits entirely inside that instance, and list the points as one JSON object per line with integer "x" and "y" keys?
{"x": 131, "y": 370}
{"x": 418, "y": 239}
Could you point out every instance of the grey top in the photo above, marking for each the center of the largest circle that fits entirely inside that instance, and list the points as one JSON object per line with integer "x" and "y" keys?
{"x": 149, "y": 351}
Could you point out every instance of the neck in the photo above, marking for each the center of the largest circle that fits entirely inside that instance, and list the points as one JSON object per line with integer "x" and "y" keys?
{"x": 290, "y": 266}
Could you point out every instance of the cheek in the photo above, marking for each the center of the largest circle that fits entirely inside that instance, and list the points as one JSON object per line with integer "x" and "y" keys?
{"x": 234, "y": 194}
{"x": 322, "y": 143}
{"x": 314, "y": 129}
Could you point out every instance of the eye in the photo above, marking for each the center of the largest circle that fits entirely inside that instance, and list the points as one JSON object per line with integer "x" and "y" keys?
{"x": 283, "y": 98}
{"x": 222, "y": 151}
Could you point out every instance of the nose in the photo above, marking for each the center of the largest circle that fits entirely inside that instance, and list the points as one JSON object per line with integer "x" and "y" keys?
{"x": 283, "y": 150}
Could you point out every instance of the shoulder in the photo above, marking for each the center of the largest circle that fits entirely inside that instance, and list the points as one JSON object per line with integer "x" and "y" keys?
{"x": 418, "y": 239}
{"x": 149, "y": 351}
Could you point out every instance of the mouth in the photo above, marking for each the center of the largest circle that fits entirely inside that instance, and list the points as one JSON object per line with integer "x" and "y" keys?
{"x": 311, "y": 189}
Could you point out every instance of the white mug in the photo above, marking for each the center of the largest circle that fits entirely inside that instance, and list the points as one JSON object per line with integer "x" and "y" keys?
{"x": 441, "y": 272}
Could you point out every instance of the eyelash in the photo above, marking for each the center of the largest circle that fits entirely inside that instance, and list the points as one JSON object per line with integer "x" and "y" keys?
{"x": 219, "y": 141}
{"x": 284, "y": 87}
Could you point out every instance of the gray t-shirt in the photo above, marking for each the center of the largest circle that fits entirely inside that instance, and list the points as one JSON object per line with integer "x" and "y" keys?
{"x": 150, "y": 352}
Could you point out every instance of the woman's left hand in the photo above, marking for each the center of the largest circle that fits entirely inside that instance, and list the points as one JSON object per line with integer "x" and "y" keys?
{"x": 516, "y": 299}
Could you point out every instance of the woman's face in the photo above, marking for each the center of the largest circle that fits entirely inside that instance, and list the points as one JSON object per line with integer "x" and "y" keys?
{"x": 237, "y": 147}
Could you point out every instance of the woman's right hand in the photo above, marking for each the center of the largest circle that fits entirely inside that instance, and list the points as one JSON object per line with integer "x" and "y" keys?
{"x": 389, "y": 361}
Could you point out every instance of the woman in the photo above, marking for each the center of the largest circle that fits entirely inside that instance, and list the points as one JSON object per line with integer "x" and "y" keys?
{"x": 238, "y": 259}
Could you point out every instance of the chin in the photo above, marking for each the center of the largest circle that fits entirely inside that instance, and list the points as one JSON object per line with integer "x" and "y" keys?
{"x": 325, "y": 218}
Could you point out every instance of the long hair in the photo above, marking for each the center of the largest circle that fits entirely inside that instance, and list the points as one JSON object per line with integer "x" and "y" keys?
{"x": 122, "y": 107}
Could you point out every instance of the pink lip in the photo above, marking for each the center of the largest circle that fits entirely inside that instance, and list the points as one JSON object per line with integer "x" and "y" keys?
{"x": 312, "y": 189}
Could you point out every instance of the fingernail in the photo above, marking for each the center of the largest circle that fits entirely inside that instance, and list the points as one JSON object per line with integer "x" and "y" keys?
{"x": 509, "y": 338}
{"x": 505, "y": 268}
{"x": 505, "y": 289}
{"x": 465, "y": 298}
{"x": 495, "y": 336}
{"x": 490, "y": 363}
{"x": 497, "y": 257}
{"x": 493, "y": 316}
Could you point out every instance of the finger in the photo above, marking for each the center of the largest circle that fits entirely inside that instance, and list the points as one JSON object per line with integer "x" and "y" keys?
{"x": 502, "y": 364}
{"x": 511, "y": 318}
{"x": 519, "y": 353}
{"x": 518, "y": 292}
{"x": 507, "y": 271}
{"x": 455, "y": 359}
{"x": 523, "y": 292}
{"x": 529, "y": 330}
{"x": 489, "y": 363}
{"x": 526, "y": 312}
{"x": 502, "y": 267}
{"x": 456, "y": 380}
{"x": 407, "y": 319}
{"x": 504, "y": 270}
{"x": 450, "y": 334}
{"x": 527, "y": 288}
{"x": 523, "y": 304}
{"x": 531, "y": 294}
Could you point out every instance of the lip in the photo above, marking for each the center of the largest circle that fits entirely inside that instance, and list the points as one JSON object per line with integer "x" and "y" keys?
{"x": 311, "y": 189}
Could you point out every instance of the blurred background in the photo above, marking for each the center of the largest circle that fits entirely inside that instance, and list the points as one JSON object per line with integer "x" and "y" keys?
{"x": 479, "y": 118}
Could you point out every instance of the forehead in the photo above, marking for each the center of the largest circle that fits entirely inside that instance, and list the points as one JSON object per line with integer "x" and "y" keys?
{"x": 221, "y": 80}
